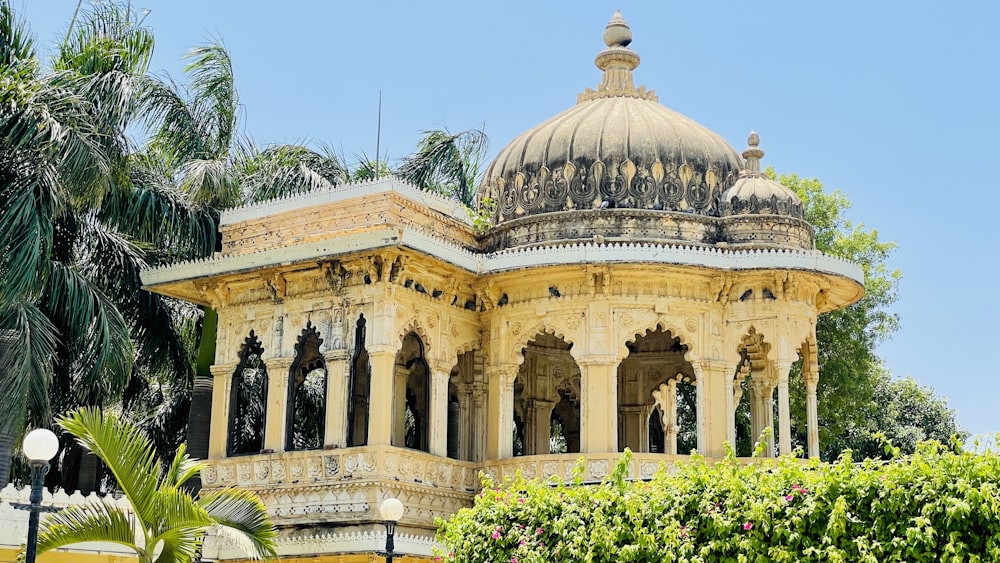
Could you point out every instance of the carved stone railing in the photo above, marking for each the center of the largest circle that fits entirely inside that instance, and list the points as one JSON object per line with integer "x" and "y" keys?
{"x": 346, "y": 485}
{"x": 319, "y": 467}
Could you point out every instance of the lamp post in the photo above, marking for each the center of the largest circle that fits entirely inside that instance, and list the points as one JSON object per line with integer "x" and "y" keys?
{"x": 391, "y": 510}
{"x": 40, "y": 446}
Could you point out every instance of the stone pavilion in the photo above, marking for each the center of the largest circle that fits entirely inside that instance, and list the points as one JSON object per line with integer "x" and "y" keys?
{"x": 638, "y": 279}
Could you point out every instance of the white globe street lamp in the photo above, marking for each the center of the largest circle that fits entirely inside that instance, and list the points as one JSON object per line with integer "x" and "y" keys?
{"x": 39, "y": 446}
{"x": 391, "y": 511}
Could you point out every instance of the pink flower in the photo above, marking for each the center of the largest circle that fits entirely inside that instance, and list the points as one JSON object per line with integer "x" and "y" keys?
{"x": 788, "y": 498}
{"x": 513, "y": 560}
{"x": 538, "y": 532}
{"x": 522, "y": 544}
{"x": 496, "y": 533}
{"x": 748, "y": 526}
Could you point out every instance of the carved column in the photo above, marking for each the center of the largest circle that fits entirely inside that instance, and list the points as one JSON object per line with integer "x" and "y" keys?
{"x": 784, "y": 413}
{"x": 276, "y": 417}
{"x": 479, "y": 430}
{"x": 465, "y": 429}
{"x": 540, "y": 413}
{"x": 500, "y": 439}
{"x": 812, "y": 419}
{"x": 710, "y": 381}
{"x": 382, "y": 359}
{"x": 399, "y": 379}
{"x": 669, "y": 420}
{"x": 731, "y": 412}
{"x": 599, "y": 404}
{"x": 222, "y": 376}
{"x": 762, "y": 409}
{"x": 338, "y": 375}
{"x": 438, "y": 439}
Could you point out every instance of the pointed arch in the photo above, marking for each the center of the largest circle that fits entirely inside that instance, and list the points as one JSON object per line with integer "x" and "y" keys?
{"x": 411, "y": 394}
{"x": 305, "y": 409}
{"x": 359, "y": 389}
{"x": 524, "y": 336}
{"x": 661, "y": 324}
{"x": 416, "y": 328}
{"x": 248, "y": 400}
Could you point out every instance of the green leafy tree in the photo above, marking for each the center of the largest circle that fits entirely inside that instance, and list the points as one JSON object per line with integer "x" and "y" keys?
{"x": 901, "y": 413}
{"x": 170, "y": 523}
{"x": 848, "y": 364}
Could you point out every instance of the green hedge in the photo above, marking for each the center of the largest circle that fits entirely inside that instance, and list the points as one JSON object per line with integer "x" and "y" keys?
{"x": 939, "y": 504}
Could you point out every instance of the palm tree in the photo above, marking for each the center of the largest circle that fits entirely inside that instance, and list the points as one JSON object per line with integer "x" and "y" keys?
{"x": 447, "y": 163}
{"x": 78, "y": 224}
{"x": 170, "y": 523}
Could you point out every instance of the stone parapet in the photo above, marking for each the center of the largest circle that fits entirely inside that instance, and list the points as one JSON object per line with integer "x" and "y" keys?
{"x": 14, "y": 527}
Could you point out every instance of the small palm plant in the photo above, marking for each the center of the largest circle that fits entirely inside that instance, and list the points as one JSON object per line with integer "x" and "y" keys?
{"x": 168, "y": 524}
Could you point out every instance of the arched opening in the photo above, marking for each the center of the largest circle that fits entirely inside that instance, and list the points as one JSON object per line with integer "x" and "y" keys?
{"x": 306, "y": 406}
{"x": 411, "y": 396}
{"x": 547, "y": 398}
{"x": 360, "y": 389}
{"x": 758, "y": 380}
{"x": 248, "y": 400}
{"x": 656, "y": 378}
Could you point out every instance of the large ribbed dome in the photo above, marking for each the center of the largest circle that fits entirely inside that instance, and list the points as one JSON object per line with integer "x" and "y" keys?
{"x": 617, "y": 148}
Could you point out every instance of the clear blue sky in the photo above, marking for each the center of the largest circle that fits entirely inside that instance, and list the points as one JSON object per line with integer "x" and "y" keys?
{"x": 893, "y": 102}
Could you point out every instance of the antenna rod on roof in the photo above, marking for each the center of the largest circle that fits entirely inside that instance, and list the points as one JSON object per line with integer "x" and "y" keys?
{"x": 378, "y": 136}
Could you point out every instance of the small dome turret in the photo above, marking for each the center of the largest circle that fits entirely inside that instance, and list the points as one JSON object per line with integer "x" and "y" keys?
{"x": 755, "y": 193}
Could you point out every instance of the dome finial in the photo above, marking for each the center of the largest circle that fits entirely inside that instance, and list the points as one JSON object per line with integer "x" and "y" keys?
{"x": 753, "y": 154}
{"x": 617, "y": 61}
{"x": 617, "y": 33}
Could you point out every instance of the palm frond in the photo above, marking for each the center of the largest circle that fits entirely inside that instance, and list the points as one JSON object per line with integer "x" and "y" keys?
{"x": 163, "y": 108}
{"x": 154, "y": 211}
{"x": 447, "y": 163}
{"x": 16, "y": 43}
{"x": 182, "y": 468}
{"x": 283, "y": 170}
{"x": 127, "y": 454}
{"x": 90, "y": 522}
{"x": 47, "y": 153}
{"x": 27, "y": 346}
{"x": 96, "y": 333}
{"x": 241, "y": 516}
{"x": 214, "y": 88}
{"x": 210, "y": 183}
{"x": 106, "y": 37}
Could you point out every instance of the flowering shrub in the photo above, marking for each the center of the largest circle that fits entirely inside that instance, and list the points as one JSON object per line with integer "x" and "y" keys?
{"x": 936, "y": 505}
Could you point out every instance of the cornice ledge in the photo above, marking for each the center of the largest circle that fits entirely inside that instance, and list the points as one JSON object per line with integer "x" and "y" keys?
{"x": 379, "y": 237}
{"x": 725, "y": 259}
{"x": 437, "y": 202}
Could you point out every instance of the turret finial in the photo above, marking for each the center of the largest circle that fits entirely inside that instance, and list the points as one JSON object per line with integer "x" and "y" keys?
{"x": 753, "y": 154}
